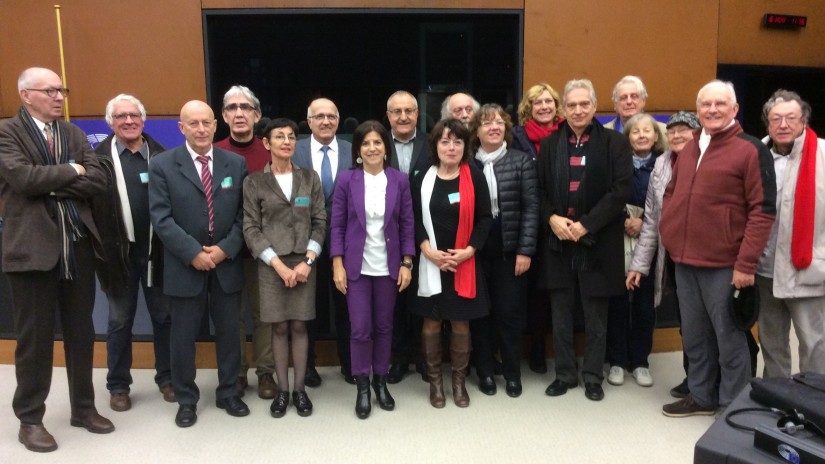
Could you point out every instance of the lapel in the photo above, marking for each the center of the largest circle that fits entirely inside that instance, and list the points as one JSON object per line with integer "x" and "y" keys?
{"x": 358, "y": 196}
{"x": 394, "y": 154}
{"x": 392, "y": 193}
{"x": 269, "y": 180}
{"x": 187, "y": 167}
{"x": 220, "y": 170}
{"x": 418, "y": 144}
{"x": 344, "y": 159}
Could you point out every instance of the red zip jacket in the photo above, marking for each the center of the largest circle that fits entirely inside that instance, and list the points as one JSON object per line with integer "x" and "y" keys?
{"x": 721, "y": 214}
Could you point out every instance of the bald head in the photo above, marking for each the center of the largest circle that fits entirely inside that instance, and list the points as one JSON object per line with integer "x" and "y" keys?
{"x": 197, "y": 124}
{"x": 34, "y": 86}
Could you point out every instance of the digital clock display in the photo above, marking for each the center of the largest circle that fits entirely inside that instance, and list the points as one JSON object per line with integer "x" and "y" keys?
{"x": 784, "y": 21}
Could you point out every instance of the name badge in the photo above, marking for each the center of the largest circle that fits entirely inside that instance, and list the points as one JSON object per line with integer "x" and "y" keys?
{"x": 584, "y": 160}
{"x": 144, "y": 177}
{"x": 302, "y": 202}
{"x": 226, "y": 183}
{"x": 454, "y": 198}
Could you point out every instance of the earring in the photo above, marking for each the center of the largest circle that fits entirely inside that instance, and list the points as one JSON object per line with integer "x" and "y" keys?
{"x": 359, "y": 160}
{"x": 385, "y": 157}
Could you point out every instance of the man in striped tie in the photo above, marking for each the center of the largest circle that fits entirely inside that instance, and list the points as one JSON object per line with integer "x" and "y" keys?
{"x": 195, "y": 202}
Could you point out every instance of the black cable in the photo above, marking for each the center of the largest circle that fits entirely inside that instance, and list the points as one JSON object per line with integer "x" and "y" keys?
{"x": 745, "y": 428}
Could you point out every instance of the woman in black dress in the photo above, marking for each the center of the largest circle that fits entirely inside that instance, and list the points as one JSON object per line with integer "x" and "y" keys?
{"x": 452, "y": 211}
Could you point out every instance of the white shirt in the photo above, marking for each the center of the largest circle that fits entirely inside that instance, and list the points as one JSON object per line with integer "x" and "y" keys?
{"x": 374, "y": 262}
{"x": 318, "y": 155}
{"x": 704, "y": 141}
{"x": 195, "y": 156}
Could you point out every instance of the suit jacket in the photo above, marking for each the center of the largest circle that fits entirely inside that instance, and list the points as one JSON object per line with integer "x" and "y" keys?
{"x": 420, "y": 155}
{"x": 303, "y": 158}
{"x": 270, "y": 220}
{"x": 177, "y": 206}
{"x": 348, "y": 226}
{"x": 31, "y": 236}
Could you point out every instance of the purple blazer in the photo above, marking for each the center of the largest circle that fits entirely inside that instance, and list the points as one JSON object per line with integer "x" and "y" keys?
{"x": 348, "y": 225}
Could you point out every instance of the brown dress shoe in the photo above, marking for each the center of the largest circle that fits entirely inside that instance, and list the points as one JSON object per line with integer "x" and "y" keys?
{"x": 168, "y": 393}
{"x": 35, "y": 437}
{"x": 267, "y": 388}
{"x": 120, "y": 402}
{"x": 94, "y": 423}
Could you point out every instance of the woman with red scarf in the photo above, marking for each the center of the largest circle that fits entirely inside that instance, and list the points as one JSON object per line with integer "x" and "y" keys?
{"x": 539, "y": 114}
{"x": 452, "y": 211}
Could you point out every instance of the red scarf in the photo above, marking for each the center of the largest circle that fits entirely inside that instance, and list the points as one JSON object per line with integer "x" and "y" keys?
{"x": 802, "y": 236}
{"x": 465, "y": 273}
{"x": 535, "y": 132}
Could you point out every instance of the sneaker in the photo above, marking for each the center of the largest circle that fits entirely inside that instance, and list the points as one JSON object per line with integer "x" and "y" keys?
{"x": 616, "y": 375}
{"x": 643, "y": 377}
{"x": 681, "y": 390}
{"x": 686, "y": 407}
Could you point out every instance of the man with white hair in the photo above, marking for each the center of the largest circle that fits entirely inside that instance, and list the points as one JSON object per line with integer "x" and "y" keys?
{"x": 791, "y": 272}
{"x": 629, "y": 99}
{"x": 716, "y": 218}
{"x": 132, "y": 252}
{"x": 460, "y": 106}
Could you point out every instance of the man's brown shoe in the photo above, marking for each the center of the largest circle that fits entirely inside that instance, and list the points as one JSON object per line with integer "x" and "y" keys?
{"x": 168, "y": 393}
{"x": 267, "y": 388}
{"x": 36, "y": 438}
{"x": 94, "y": 423}
{"x": 120, "y": 402}
{"x": 686, "y": 407}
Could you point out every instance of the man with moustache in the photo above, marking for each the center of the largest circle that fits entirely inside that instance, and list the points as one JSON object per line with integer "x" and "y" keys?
{"x": 460, "y": 106}
{"x": 196, "y": 206}
{"x": 48, "y": 174}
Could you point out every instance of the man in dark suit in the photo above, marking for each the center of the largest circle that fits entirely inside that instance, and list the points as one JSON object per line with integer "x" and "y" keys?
{"x": 327, "y": 155}
{"x": 196, "y": 206}
{"x": 410, "y": 155}
{"x": 48, "y": 172}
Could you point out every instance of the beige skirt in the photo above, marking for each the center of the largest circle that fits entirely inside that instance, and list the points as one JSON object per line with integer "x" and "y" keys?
{"x": 280, "y": 303}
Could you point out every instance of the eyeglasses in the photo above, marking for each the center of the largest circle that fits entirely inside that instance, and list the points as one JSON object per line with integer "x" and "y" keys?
{"x": 125, "y": 116}
{"x": 281, "y": 137}
{"x": 52, "y": 93}
{"x": 585, "y": 105}
{"x": 790, "y": 119}
{"x": 245, "y": 107}
{"x": 407, "y": 111}
{"x": 322, "y": 116}
{"x": 497, "y": 122}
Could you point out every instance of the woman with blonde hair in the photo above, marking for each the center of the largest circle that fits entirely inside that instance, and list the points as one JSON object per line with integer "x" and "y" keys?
{"x": 539, "y": 115}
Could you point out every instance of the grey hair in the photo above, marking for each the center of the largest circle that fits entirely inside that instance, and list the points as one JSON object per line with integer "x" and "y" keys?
{"x": 782, "y": 96}
{"x": 636, "y": 119}
{"x": 110, "y": 107}
{"x": 400, "y": 93}
{"x": 579, "y": 84}
{"x": 718, "y": 83}
{"x": 241, "y": 91}
{"x": 27, "y": 77}
{"x": 629, "y": 80}
{"x": 445, "y": 105}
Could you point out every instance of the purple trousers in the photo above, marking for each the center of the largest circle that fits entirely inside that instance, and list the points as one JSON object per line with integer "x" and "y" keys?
{"x": 371, "y": 301}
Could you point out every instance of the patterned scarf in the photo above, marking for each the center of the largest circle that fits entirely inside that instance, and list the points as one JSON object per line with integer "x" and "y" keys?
{"x": 64, "y": 209}
{"x": 802, "y": 236}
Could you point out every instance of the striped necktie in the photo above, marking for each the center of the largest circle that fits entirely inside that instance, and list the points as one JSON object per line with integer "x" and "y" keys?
{"x": 206, "y": 179}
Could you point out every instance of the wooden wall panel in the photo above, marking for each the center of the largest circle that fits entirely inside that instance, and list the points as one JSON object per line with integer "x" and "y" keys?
{"x": 670, "y": 44}
{"x": 743, "y": 40}
{"x": 150, "y": 48}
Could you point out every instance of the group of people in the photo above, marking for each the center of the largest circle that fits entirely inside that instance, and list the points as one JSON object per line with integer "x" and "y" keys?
{"x": 412, "y": 241}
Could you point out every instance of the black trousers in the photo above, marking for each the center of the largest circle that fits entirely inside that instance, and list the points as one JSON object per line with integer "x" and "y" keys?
{"x": 187, "y": 314}
{"x": 406, "y": 331}
{"x": 503, "y": 326}
{"x": 329, "y": 300}
{"x": 36, "y": 297}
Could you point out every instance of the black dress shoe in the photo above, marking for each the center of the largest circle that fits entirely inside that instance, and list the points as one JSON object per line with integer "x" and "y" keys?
{"x": 302, "y": 403}
{"x": 487, "y": 385}
{"x": 397, "y": 373}
{"x": 538, "y": 363}
{"x": 559, "y": 387}
{"x": 187, "y": 415}
{"x": 513, "y": 388}
{"x": 234, "y": 406}
{"x": 497, "y": 367}
{"x": 593, "y": 391}
{"x": 279, "y": 404}
{"x": 681, "y": 390}
{"x": 312, "y": 378}
{"x": 348, "y": 378}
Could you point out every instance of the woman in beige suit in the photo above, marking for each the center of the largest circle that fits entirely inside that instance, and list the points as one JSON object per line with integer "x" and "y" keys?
{"x": 284, "y": 225}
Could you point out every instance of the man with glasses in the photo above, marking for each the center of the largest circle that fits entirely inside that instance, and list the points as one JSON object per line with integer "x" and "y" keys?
{"x": 791, "y": 271}
{"x": 409, "y": 154}
{"x": 716, "y": 218}
{"x": 629, "y": 99}
{"x": 196, "y": 206}
{"x": 48, "y": 174}
{"x": 241, "y": 111}
{"x": 131, "y": 251}
{"x": 459, "y": 106}
{"x": 327, "y": 155}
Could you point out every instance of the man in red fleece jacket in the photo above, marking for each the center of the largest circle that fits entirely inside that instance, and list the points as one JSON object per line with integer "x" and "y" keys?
{"x": 716, "y": 219}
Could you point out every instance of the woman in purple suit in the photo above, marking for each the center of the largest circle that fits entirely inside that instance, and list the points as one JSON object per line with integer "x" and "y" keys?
{"x": 372, "y": 247}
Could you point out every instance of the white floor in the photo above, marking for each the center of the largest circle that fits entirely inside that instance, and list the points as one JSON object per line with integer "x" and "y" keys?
{"x": 626, "y": 427}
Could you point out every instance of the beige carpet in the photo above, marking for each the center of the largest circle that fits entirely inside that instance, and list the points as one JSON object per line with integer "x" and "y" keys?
{"x": 626, "y": 427}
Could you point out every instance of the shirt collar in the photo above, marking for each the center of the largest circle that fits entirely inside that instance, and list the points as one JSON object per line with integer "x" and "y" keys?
{"x": 410, "y": 140}
{"x": 143, "y": 150}
{"x": 315, "y": 145}
{"x": 195, "y": 155}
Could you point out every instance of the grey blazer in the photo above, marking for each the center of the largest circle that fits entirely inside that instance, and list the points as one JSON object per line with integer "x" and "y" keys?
{"x": 177, "y": 206}
{"x": 270, "y": 220}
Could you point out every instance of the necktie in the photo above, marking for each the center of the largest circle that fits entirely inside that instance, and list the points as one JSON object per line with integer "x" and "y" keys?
{"x": 206, "y": 179}
{"x": 326, "y": 173}
{"x": 49, "y": 138}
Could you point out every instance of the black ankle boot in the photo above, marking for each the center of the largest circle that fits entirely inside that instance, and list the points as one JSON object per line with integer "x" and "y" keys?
{"x": 385, "y": 400}
{"x": 362, "y": 399}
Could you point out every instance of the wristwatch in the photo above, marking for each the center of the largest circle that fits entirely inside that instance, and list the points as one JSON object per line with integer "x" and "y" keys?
{"x": 309, "y": 261}
{"x": 407, "y": 264}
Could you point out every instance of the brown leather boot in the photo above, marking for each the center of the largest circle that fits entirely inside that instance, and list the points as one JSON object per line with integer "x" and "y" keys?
{"x": 431, "y": 346}
{"x": 460, "y": 356}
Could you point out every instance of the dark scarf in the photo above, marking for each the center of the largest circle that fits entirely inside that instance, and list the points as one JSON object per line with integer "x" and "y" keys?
{"x": 583, "y": 257}
{"x": 802, "y": 236}
{"x": 64, "y": 209}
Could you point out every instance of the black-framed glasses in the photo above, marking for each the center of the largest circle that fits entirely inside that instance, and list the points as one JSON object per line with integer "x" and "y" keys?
{"x": 125, "y": 116}
{"x": 245, "y": 107}
{"x": 52, "y": 93}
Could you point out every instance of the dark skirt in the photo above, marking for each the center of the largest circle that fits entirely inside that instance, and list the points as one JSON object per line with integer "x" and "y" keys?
{"x": 447, "y": 305}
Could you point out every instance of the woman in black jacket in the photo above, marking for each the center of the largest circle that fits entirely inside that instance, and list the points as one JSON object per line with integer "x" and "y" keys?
{"x": 513, "y": 185}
